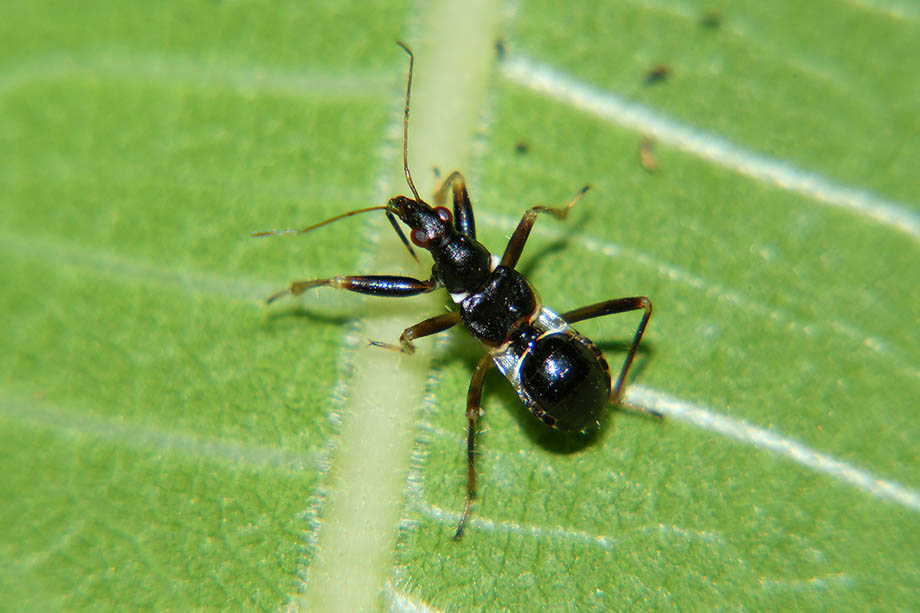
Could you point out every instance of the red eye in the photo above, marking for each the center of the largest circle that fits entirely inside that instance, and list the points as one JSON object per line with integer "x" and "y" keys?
{"x": 444, "y": 214}
{"x": 419, "y": 237}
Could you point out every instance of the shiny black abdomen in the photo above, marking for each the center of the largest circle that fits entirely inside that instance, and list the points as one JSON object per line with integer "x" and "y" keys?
{"x": 567, "y": 379}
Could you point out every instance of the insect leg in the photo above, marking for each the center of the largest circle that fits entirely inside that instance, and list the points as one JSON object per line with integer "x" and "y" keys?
{"x": 430, "y": 326}
{"x": 463, "y": 208}
{"x": 611, "y": 307}
{"x": 516, "y": 244}
{"x": 473, "y": 410}
{"x": 375, "y": 285}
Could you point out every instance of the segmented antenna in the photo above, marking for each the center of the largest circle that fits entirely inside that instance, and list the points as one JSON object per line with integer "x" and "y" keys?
{"x": 406, "y": 124}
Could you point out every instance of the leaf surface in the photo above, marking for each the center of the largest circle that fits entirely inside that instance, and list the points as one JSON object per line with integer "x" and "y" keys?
{"x": 168, "y": 442}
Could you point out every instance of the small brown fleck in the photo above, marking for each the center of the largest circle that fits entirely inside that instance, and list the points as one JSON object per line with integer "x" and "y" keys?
{"x": 647, "y": 156}
{"x": 711, "y": 20}
{"x": 659, "y": 73}
{"x": 501, "y": 49}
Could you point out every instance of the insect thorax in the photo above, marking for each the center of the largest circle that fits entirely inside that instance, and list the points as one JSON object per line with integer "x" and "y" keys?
{"x": 494, "y": 310}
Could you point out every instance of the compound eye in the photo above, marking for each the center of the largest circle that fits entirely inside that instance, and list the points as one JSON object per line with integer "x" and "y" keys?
{"x": 419, "y": 238}
{"x": 444, "y": 214}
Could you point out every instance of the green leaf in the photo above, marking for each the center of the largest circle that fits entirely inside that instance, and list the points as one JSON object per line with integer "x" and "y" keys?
{"x": 169, "y": 442}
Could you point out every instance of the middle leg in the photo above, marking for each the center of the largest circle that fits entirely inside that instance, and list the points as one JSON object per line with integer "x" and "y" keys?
{"x": 430, "y": 326}
{"x": 519, "y": 238}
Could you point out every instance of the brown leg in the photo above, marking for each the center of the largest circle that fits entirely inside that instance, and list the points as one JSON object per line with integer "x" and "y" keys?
{"x": 473, "y": 411}
{"x": 611, "y": 307}
{"x": 516, "y": 244}
{"x": 430, "y": 326}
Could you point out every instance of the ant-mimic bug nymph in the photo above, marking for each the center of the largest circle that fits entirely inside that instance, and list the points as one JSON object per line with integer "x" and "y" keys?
{"x": 559, "y": 375}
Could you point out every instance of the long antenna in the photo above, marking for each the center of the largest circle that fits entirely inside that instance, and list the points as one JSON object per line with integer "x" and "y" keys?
{"x": 322, "y": 223}
{"x": 406, "y": 124}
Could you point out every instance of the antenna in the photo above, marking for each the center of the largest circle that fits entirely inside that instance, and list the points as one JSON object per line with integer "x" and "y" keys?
{"x": 406, "y": 124}
{"x": 322, "y": 223}
{"x": 386, "y": 208}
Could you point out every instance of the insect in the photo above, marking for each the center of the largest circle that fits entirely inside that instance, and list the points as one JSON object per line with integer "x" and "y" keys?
{"x": 559, "y": 375}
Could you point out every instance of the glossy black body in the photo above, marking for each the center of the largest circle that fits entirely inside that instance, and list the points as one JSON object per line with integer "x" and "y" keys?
{"x": 493, "y": 310}
{"x": 560, "y": 376}
{"x": 563, "y": 378}
{"x": 567, "y": 379}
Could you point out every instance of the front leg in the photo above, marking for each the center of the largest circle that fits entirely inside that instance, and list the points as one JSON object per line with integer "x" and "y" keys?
{"x": 519, "y": 238}
{"x": 463, "y": 208}
{"x": 430, "y": 326}
{"x": 374, "y": 285}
